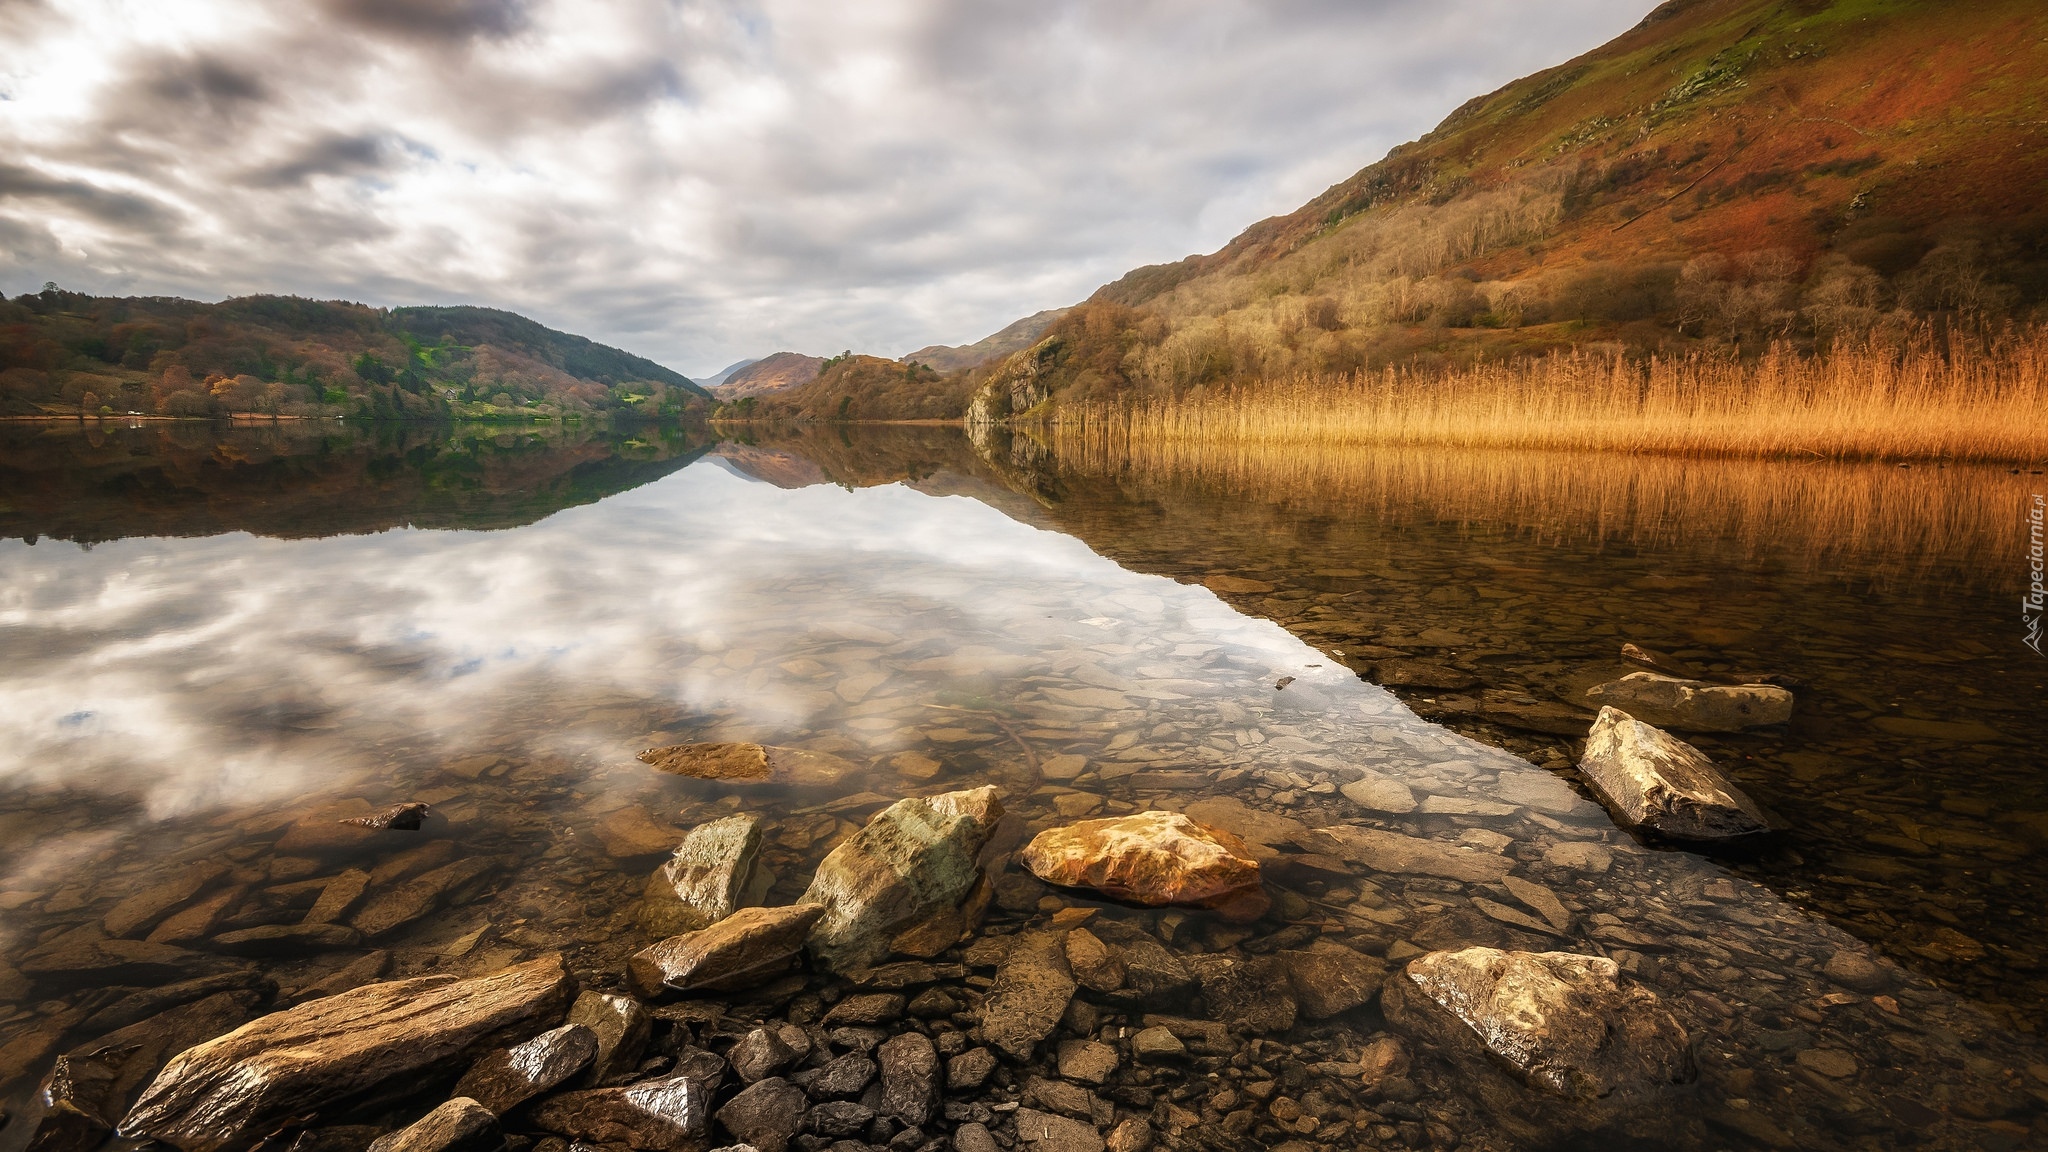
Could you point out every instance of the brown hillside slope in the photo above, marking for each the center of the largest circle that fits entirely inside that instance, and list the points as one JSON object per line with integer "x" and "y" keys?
{"x": 770, "y": 374}
{"x": 1727, "y": 170}
{"x": 1015, "y": 337}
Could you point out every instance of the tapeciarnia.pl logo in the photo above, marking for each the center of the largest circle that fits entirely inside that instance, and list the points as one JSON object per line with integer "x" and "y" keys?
{"x": 2036, "y": 599}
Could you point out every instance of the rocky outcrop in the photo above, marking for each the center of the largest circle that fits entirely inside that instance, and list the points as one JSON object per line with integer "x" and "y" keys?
{"x": 1554, "y": 1043}
{"x": 1152, "y": 858}
{"x": 751, "y": 764}
{"x": 706, "y": 878}
{"x": 914, "y": 859}
{"x": 746, "y": 949}
{"x": 1693, "y": 705}
{"x": 340, "y": 1050}
{"x": 505, "y": 1079}
{"x": 1651, "y": 779}
{"x": 1020, "y": 384}
{"x": 668, "y": 1114}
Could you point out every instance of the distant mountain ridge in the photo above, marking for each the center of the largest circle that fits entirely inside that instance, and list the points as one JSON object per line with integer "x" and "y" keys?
{"x": 769, "y": 375}
{"x": 1015, "y": 337}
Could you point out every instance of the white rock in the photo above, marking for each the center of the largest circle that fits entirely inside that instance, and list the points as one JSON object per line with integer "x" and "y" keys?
{"x": 1651, "y": 779}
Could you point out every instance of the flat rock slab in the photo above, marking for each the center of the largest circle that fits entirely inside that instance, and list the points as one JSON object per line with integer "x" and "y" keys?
{"x": 1045, "y": 1132}
{"x": 1585, "y": 1050}
{"x": 1651, "y": 779}
{"x": 1377, "y": 792}
{"x": 1693, "y": 705}
{"x": 330, "y": 1052}
{"x": 744, "y": 950}
{"x": 1153, "y": 858}
{"x": 1031, "y": 993}
{"x": 671, "y": 1114}
{"x": 751, "y": 764}
{"x": 914, "y": 859}
{"x": 1329, "y": 978}
{"x": 1414, "y": 855}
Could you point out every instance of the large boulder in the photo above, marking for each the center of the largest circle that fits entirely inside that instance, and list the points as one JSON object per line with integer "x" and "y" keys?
{"x": 1153, "y": 858}
{"x": 330, "y": 1053}
{"x": 915, "y": 858}
{"x": 746, "y": 949}
{"x": 751, "y": 764}
{"x": 706, "y": 878}
{"x": 1694, "y": 705}
{"x": 1651, "y": 779}
{"x": 1551, "y": 1043}
{"x": 669, "y": 1114}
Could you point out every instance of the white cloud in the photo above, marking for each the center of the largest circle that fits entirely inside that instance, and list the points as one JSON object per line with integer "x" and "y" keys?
{"x": 700, "y": 180}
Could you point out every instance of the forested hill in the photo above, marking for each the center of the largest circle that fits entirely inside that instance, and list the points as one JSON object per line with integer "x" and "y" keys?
{"x": 65, "y": 353}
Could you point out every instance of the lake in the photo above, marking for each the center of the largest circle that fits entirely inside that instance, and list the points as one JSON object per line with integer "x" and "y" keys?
{"x": 220, "y": 642}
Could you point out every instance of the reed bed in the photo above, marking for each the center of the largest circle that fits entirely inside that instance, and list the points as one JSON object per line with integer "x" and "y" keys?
{"x": 1923, "y": 398}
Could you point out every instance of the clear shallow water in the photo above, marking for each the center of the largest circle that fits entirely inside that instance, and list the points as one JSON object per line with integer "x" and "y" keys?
{"x": 208, "y": 702}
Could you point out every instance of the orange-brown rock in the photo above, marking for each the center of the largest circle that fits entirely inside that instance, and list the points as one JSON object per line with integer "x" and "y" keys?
{"x": 751, "y": 764}
{"x": 1152, "y": 858}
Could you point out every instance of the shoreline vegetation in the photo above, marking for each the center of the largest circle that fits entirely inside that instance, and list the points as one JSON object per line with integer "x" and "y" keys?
{"x": 1965, "y": 399}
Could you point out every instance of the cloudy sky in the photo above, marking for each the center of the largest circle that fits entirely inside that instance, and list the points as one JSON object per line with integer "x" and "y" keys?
{"x": 702, "y": 180}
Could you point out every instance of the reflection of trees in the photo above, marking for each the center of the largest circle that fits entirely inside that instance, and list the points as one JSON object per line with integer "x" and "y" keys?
{"x": 99, "y": 482}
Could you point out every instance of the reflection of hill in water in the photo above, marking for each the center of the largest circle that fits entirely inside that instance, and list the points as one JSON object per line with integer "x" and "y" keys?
{"x": 95, "y": 482}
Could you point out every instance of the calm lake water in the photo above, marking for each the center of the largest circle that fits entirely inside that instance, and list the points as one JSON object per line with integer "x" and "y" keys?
{"x": 218, "y": 641}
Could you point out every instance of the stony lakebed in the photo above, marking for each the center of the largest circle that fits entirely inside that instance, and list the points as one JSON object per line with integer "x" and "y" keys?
{"x": 715, "y": 814}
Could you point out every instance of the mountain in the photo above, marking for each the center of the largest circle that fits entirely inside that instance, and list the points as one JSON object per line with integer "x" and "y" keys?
{"x": 1728, "y": 171}
{"x": 1018, "y": 336}
{"x": 720, "y": 376}
{"x": 770, "y": 374}
{"x": 62, "y": 353}
{"x": 855, "y": 387}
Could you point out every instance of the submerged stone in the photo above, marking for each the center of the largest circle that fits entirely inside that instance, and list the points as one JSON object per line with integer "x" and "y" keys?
{"x": 1651, "y": 779}
{"x": 1031, "y": 992}
{"x": 1693, "y": 705}
{"x": 750, "y": 764}
{"x": 1152, "y": 858}
{"x": 915, "y": 858}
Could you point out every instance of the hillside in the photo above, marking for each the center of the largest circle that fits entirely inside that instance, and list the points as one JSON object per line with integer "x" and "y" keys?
{"x": 1728, "y": 172}
{"x": 768, "y": 375}
{"x": 1015, "y": 337}
{"x": 63, "y": 353}
{"x": 855, "y": 387}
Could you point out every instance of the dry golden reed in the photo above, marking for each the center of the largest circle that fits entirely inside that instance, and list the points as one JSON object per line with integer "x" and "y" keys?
{"x": 1918, "y": 399}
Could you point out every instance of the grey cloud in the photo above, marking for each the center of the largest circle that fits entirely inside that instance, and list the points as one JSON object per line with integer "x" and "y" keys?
{"x": 431, "y": 21}
{"x": 105, "y": 205}
{"x": 331, "y": 155}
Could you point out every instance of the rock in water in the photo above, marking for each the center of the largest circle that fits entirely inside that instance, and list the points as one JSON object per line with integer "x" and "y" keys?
{"x": 1586, "y": 1051}
{"x": 1651, "y": 779}
{"x": 766, "y": 1114}
{"x": 397, "y": 818}
{"x": 1694, "y": 705}
{"x": 1030, "y": 995}
{"x": 914, "y": 858}
{"x": 88, "y": 1091}
{"x": 340, "y": 1049}
{"x": 746, "y": 949}
{"x": 670, "y": 1114}
{"x": 1152, "y": 858}
{"x": 1329, "y": 978}
{"x": 706, "y": 878}
{"x": 505, "y": 1079}
{"x": 1249, "y": 994}
{"x": 458, "y": 1125}
{"x": 751, "y": 764}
